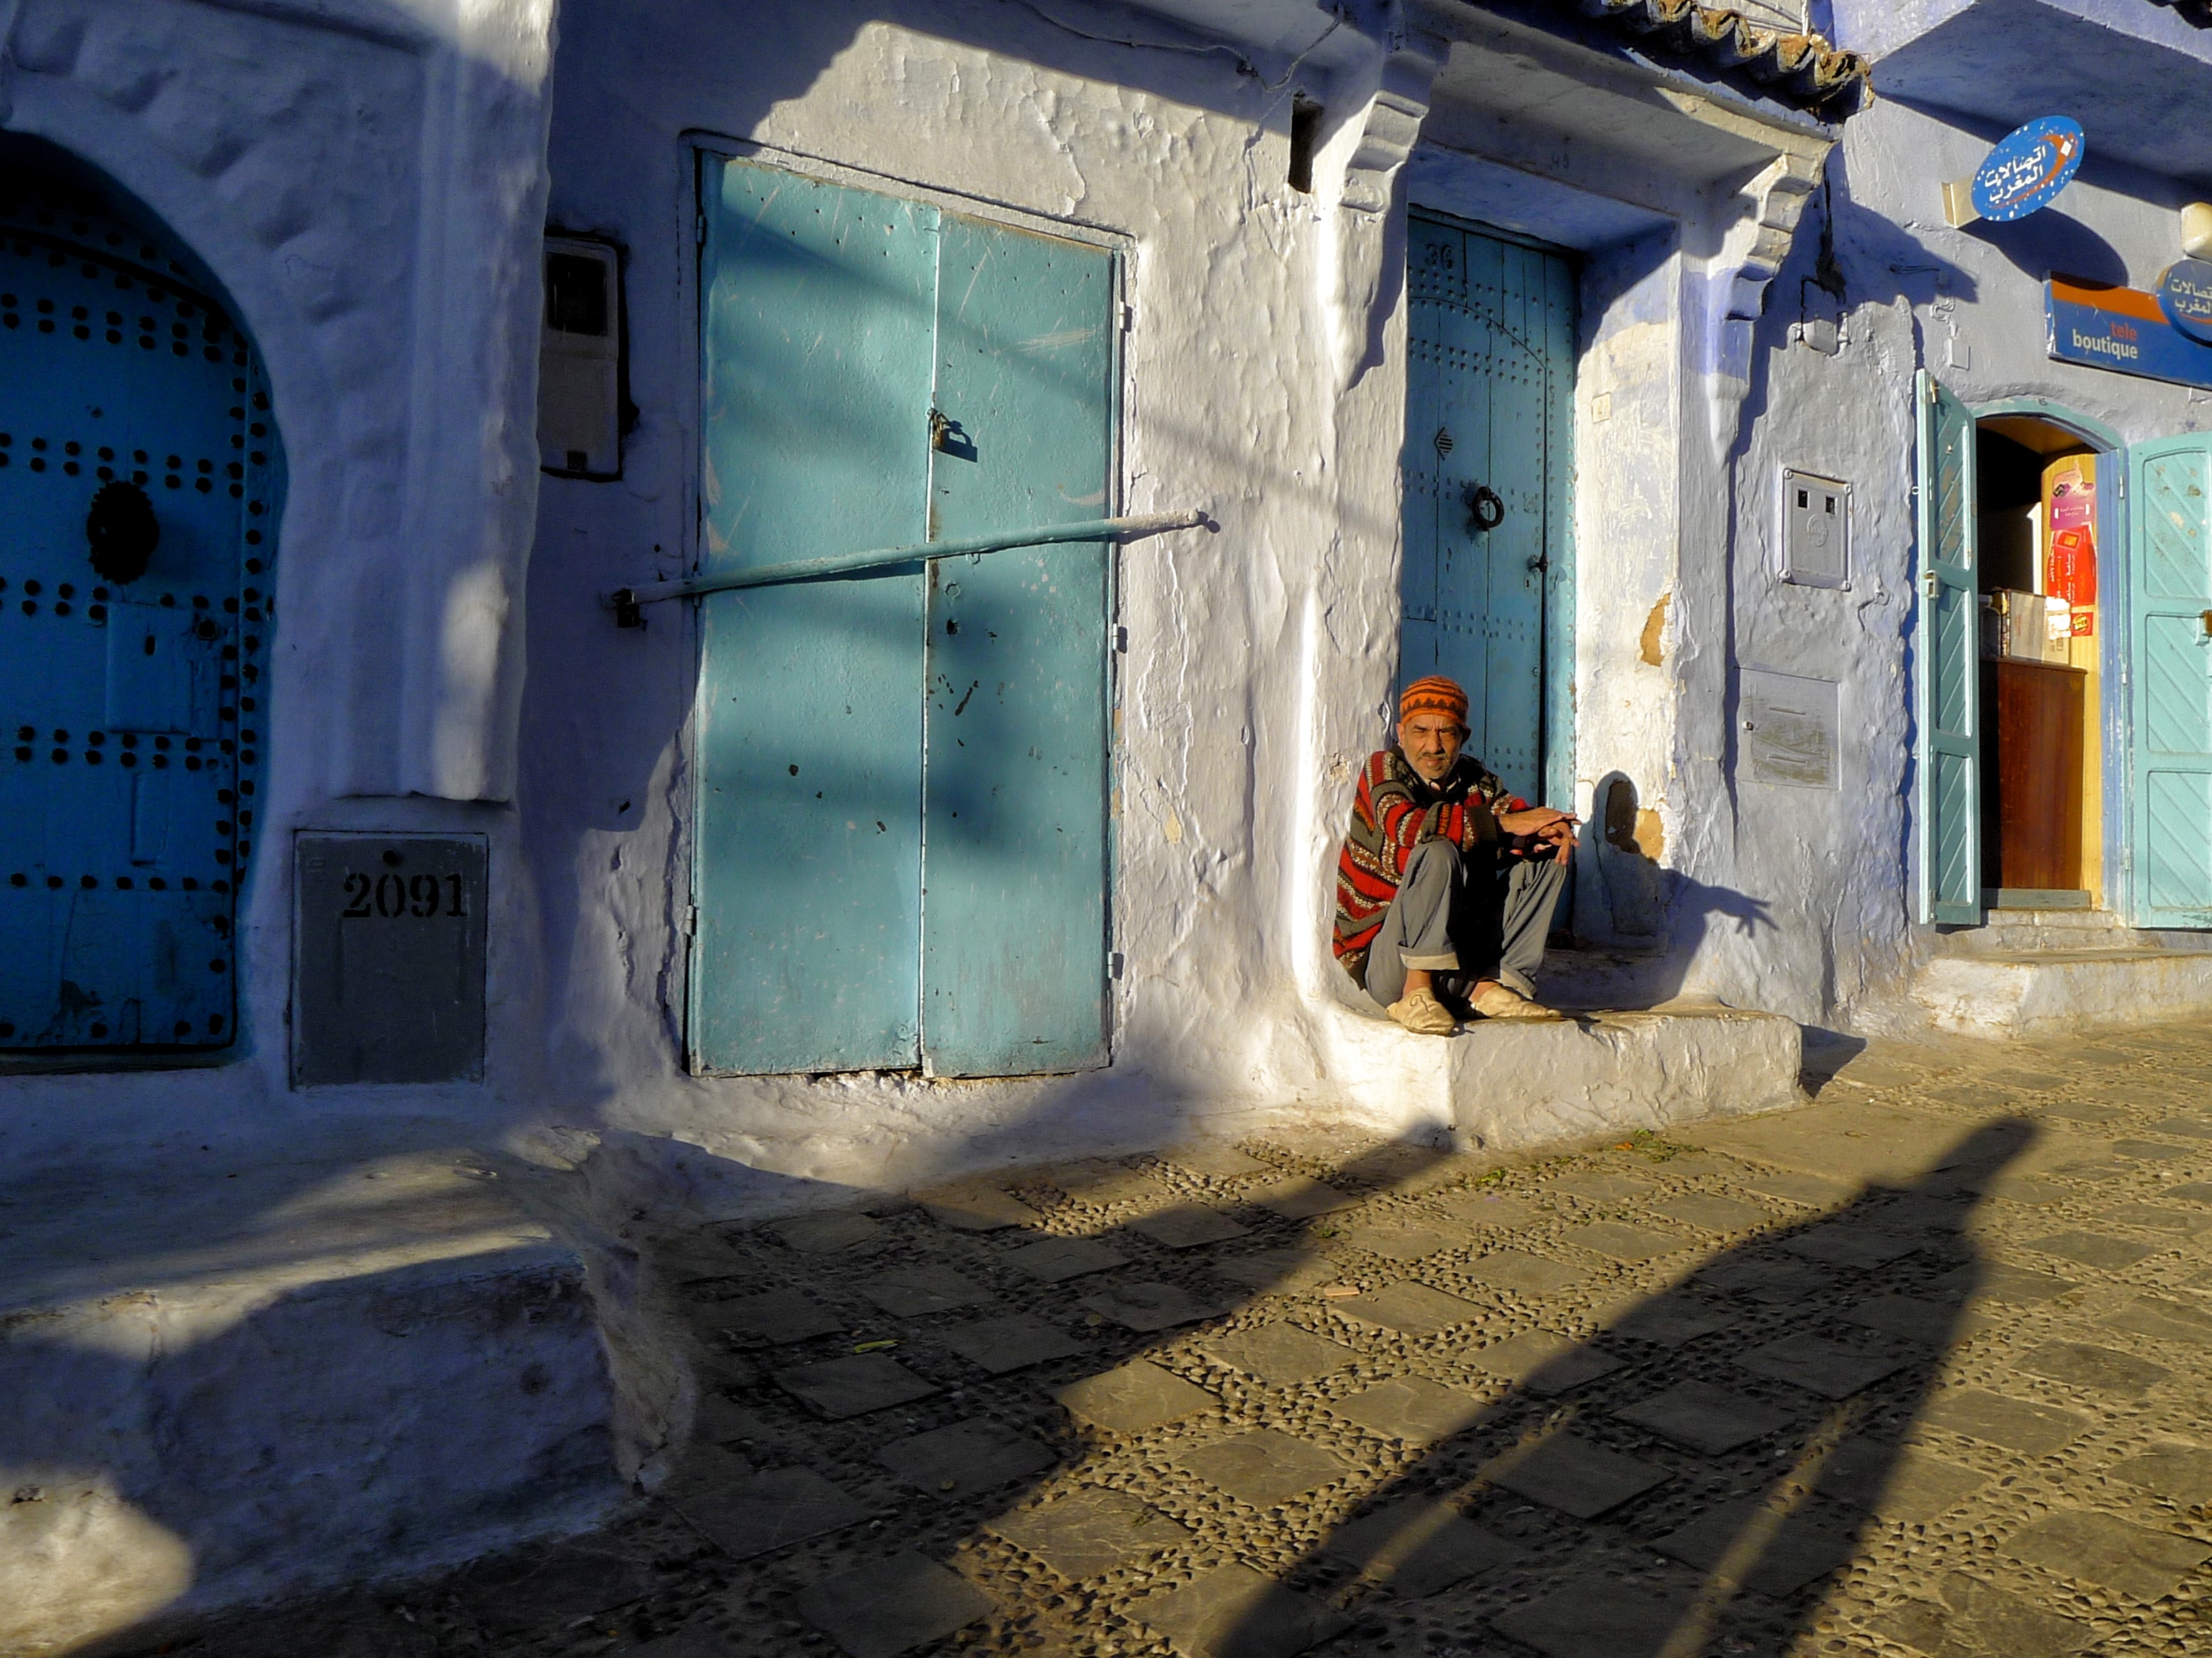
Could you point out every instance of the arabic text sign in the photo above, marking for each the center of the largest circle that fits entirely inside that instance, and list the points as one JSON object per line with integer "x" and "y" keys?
{"x": 2028, "y": 169}
{"x": 2121, "y": 329}
{"x": 2185, "y": 295}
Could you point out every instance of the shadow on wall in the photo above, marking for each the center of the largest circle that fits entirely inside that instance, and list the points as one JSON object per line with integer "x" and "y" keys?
{"x": 1682, "y": 1473}
{"x": 1638, "y": 925}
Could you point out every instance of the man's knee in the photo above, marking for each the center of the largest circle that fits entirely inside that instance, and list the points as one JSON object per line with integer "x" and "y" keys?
{"x": 1433, "y": 859}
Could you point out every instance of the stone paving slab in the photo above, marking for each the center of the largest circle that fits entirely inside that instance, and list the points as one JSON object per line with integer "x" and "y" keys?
{"x": 1415, "y": 1309}
{"x": 829, "y": 1235}
{"x": 1151, "y": 1306}
{"x": 745, "y": 1514}
{"x": 1418, "y": 1545}
{"x": 1186, "y": 1225}
{"x": 912, "y": 1291}
{"x": 1003, "y": 1345}
{"x": 1280, "y": 1353}
{"x": 1137, "y": 1396}
{"x": 1826, "y": 1367}
{"x": 1527, "y": 1274}
{"x": 1411, "y": 1408}
{"x": 970, "y": 1456}
{"x": 2014, "y": 1424}
{"x": 2182, "y": 1473}
{"x": 1673, "y": 1322}
{"x": 1786, "y": 1550}
{"x": 1300, "y": 1200}
{"x": 1216, "y": 1160}
{"x": 2107, "y": 1552}
{"x": 1546, "y": 1364}
{"x": 840, "y": 1387}
{"x": 976, "y": 1207}
{"x": 1055, "y": 1261}
{"x": 891, "y": 1605}
{"x": 2095, "y": 1369}
{"x": 1235, "y": 1613}
{"x": 1286, "y": 1271}
{"x": 1091, "y": 1532}
{"x": 1617, "y": 1620}
{"x": 1573, "y": 1475}
{"x": 1263, "y": 1468}
{"x": 1705, "y": 1417}
{"x": 1622, "y": 1242}
{"x": 778, "y": 1316}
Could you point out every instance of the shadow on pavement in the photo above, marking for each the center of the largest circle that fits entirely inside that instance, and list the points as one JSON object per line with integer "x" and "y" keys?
{"x": 1261, "y": 1411}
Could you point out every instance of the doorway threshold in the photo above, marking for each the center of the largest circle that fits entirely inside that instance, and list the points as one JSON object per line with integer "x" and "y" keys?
{"x": 2034, "y": 898}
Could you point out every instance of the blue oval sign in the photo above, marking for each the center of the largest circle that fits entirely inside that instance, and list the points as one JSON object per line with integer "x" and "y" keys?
{"x": 2028, "y": 169}
{"x": 2185, "y": 293}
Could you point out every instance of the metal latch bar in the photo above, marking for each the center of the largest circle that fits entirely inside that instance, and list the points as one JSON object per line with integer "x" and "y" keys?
{"x": 624, "y": 601}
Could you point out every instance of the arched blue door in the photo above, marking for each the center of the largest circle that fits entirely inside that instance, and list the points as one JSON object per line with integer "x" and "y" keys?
{"x": 138, "y": 475}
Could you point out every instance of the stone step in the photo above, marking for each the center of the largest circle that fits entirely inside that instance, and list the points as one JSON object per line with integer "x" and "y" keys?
{"x": 236, "y": 1378}
{"x": 2052, "y": 991}
{"x": 1512, "y": 1085}
{"x": 2033, "y": 932}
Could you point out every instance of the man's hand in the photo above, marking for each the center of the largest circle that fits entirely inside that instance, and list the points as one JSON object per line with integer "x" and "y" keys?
{"x": 1554, "y": 829}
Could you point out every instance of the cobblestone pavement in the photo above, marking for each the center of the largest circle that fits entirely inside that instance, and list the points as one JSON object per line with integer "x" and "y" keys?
{"x": 1917, "y": 1369}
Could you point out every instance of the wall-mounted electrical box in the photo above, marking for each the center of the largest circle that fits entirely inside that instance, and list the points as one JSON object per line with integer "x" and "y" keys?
{"x": 580, "y": 360}
{"x": 1816, "y": 530}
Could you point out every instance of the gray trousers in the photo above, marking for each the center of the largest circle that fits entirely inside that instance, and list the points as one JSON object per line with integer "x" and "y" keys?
{"x": 1471, "y": 917}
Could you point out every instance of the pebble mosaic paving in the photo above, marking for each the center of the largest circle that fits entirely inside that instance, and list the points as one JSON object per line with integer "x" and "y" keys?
{"x": 1918, "y": 1370}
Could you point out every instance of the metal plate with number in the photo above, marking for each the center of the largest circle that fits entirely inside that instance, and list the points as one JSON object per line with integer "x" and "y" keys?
{"x": 388, "y": 969}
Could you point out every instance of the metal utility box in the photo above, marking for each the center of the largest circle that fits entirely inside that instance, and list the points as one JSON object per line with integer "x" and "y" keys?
{"x": 388, "y": 958}
{"x": 1816, "y": 530}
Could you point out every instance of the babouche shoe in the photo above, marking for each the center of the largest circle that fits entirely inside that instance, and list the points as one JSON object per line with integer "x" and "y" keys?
{"x": 1420, "y": 1012}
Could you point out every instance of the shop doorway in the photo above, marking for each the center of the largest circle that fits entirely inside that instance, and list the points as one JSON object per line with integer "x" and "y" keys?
{"x": 2040, "y": 681}
{"x": 1487, "y": 586}
{"x": 2063, "y": 669}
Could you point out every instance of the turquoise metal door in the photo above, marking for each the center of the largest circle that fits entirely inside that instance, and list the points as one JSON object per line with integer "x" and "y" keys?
{"x": 1946, "y": 711}
{"x": 900, "y": 851}
{"x": 2169, "y": 691}
{"x": 1487, "y": 586}
{"x": 1014, "y": 892}
{"x": 138, "y": 475}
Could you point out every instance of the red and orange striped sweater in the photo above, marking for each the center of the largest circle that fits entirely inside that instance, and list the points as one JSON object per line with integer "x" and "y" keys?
{"x": 1395, "y": 809}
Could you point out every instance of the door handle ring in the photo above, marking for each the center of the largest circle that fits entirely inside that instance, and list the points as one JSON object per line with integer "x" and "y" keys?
{"x": 1486, "y": 511}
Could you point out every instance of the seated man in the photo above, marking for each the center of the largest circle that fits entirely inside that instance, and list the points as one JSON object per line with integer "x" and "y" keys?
{"x": 1446, "y": 882}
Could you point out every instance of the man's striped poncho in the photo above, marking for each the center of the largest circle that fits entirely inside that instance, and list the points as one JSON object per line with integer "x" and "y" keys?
{"x": 1395, "y": 809}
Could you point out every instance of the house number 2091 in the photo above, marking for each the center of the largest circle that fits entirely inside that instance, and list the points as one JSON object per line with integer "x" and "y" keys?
{"x": 393, "y": 896}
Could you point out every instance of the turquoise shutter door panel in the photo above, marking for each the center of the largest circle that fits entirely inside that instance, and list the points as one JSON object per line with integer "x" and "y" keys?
{"x": 1949, "y": 689}
{"x": 126, "y": 820}
{"x": 1013, "y": 910}
{"x": 1491, "y": 358}
{"x": 818, "y": 313}
{"x": 2170, "y": 694}
{"x": 1436, "y": 262}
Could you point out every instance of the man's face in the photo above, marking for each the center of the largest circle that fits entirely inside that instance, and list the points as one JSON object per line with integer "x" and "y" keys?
{"x": 1431, "y": 743}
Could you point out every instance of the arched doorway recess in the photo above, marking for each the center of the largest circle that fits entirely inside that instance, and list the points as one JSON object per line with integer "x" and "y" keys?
{"x": 140, "y": 478}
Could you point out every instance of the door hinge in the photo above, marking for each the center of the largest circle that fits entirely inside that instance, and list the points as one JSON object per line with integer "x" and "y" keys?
{"x": 1114, "y": 962}
{"x": 1931, "y": 583}
{"x": 1117, "y": 640}
{"x": 691, "y": 920}
{"x": 1127, "y": 316}
{"x": 699, "y": 229}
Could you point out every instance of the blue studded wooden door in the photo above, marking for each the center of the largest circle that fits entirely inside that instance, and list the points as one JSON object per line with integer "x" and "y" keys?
{"x": 1946, "y": 714}
{"x": 1487, "y": 584}
{"x": 2168, "y": 711}
{"x": 137, "y": 473}
{"x": 900, "y": 851}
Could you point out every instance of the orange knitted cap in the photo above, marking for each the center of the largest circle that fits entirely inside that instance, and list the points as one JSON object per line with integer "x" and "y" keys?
{"x": 1434, "y": 695}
